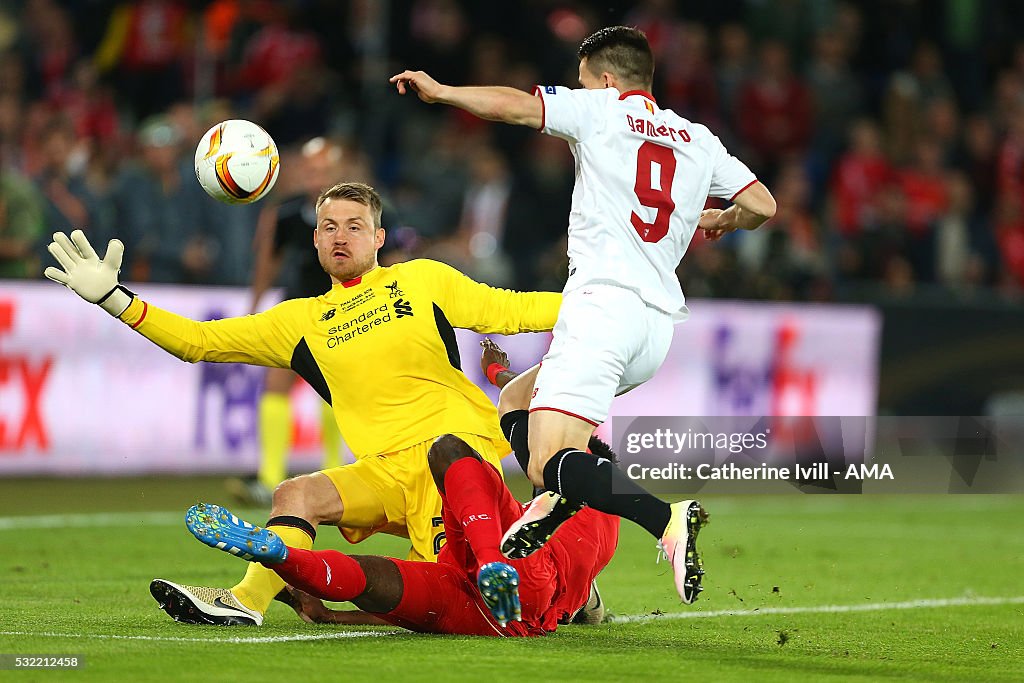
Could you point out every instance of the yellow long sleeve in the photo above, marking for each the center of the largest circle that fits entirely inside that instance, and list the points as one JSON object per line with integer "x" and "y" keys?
{"x": 262, "y": 339}
{"x": 381, "y": 350}
{"x": 489, "y": 310}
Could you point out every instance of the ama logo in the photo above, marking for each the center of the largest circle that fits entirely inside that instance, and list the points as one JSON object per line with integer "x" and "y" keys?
{"x": 746, "y": 382}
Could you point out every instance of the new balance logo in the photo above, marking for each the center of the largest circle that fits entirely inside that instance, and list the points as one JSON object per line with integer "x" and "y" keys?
{"x": 402, "y": 308}
{"x": 328, "y": 315}
{"x": 328, "y": 568}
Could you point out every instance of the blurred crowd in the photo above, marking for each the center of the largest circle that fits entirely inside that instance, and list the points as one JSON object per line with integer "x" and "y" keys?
{"x": 890, "y": 131}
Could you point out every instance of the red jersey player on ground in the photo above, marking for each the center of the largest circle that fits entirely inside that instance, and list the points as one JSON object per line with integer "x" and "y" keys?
{"x": 472, "y": 590}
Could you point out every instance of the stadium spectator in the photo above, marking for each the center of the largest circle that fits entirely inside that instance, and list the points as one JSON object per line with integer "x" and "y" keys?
{"x": 434, "y": 179}
{"x": 1010, "y": 237}
{"x": 147, "y": 49}
{"x": 870, "y": 255}
{"x": 658, "y": 20}
{"x": 89, "y": 105}
{"x": 792, "y": 253}
{"x": 688, "y": 80}
{"x": 924, "y": 184}
{"x": 537, "y": 208}
{"x": 910, "y": 92}
{"x": 963, "y": 239}
{"x": 837, "y": 93}
{"x": 12, "y": 117}
{"x": 437, "y": 32}
{"x": 52, "y": 46}
{"x": 790, "y": 23}
{"x": 978, "y": 158}
{"x": 857, "y": 179}
{"x": 282, "y": 63}
{"x": 482, "y": 233}
{"x": 22, "y": 225}
{"x": 733, "y": 68}
{"x": 1010, "y": 168}
{"x": 69, "y": 203}
{"x": 942, "y": 127}
{"x": 775, "y": 110}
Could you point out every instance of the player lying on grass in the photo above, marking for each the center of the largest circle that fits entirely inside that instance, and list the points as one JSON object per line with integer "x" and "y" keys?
{"x": 495, "y": 365}
{"x": 471, "y": 589}
{"x": 379, "y": 347}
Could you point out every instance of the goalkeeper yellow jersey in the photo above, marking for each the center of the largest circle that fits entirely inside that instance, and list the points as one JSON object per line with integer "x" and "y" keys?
{"x": 380, "y": 349}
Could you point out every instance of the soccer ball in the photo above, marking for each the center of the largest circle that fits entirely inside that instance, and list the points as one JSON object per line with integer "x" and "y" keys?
{"x": 237, "y": 162}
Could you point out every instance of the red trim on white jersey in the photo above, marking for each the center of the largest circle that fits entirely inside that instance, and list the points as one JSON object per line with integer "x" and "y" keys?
{"x": 642, "y": 93}
{"x": 743, "y": 189}
{"x": 566, "y": 412}
{"x": 539, "y": 92}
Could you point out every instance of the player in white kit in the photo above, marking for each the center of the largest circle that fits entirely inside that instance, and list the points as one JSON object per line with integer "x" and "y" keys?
{"x": 643, "y": 175}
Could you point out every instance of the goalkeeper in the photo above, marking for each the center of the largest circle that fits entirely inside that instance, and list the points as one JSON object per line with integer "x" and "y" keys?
{"x": 379, "y": 347}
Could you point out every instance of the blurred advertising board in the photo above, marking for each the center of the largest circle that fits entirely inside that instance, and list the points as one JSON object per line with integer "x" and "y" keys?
{"x": 81, "y": 394}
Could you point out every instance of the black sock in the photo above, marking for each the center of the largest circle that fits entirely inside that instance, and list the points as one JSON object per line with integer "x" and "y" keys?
{"x": 516, "y": 427}
{"x": 581, "y": 478}
{"x": 296, "y": 522}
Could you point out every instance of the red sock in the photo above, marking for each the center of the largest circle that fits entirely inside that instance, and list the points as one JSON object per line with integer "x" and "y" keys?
{"x": 469, "y": 489}
{"x": 326, "y": 574}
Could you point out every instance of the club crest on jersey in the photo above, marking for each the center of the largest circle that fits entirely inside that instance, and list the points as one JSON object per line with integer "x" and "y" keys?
{"x": 395, "y": 290}
{"x": 328, "y": 315}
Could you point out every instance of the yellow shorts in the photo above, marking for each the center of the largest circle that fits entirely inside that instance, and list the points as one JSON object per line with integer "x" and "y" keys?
{"x": 394, "y": 493}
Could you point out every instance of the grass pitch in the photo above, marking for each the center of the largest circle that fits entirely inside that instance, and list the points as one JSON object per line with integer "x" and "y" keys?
{"x": 798, "y": 588}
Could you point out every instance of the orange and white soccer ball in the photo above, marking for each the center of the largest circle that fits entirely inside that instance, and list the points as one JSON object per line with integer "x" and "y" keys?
{"x": 237, "y": 162}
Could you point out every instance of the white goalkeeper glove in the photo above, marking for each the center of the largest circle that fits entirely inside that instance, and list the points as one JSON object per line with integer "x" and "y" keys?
{"x": 88, "y": 276}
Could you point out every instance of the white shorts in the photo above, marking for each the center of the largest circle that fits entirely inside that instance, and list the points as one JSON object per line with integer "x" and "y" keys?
{"x": 606, "y": 342}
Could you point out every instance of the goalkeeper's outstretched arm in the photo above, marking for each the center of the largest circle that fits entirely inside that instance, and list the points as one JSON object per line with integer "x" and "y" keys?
{"x": 263, "y": 339}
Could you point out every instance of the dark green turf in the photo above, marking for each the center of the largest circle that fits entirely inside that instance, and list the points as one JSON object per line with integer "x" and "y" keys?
{"x": 87, "y": 582}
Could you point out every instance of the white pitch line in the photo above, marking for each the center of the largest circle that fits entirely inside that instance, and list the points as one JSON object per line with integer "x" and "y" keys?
{"x": 629, "y": 619}
{"x": 99, "y": 519}
{"x": 823, "y": 609}
{"x": 235, "y": 639}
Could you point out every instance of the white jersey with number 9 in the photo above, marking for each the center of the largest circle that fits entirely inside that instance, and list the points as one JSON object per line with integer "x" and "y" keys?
{"x": 643, "y": 175}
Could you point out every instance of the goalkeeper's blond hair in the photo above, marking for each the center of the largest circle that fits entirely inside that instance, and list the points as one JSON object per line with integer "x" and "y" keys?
{"x": 361, "y": 193}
